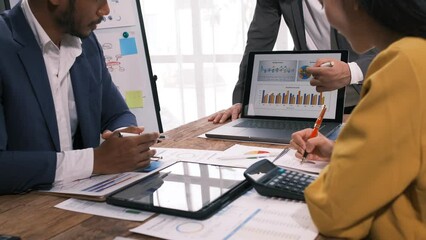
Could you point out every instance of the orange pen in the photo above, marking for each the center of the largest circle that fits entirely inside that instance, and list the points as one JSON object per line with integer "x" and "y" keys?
{"x": 316, "y": 129}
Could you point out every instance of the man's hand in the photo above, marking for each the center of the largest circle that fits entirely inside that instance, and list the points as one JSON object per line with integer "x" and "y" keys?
{"x": 330, "y": 78}
{"x": 137, "y": 130}
{"x": 222, "y": 116}
{"x": 121, "y": 154}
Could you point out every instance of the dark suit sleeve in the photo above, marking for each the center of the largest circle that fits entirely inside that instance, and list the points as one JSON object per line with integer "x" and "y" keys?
{"x": 362, "y": 60}
{"x": 21, "y": 171}
{"x": 365, "y": 59}
{"x": 107, "y": 109}
{"x": 262, "y": 35}
{"x": 115, "y": 112}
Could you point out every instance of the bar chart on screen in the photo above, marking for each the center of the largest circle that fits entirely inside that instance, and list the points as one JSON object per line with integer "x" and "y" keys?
{"x": 293, "y": 97}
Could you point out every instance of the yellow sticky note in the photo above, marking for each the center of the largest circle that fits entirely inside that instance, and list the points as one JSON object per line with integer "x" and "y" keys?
{"x": 134, "y": 99}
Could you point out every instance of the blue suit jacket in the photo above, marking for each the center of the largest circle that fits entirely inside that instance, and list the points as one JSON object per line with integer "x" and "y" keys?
{"x": 29, "y": 138}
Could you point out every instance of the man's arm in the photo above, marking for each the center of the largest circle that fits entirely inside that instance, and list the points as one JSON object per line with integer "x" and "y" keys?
{"x": 119, "y": 154}
{"x": 363, "y": 61}
{"x": 262, "y": 35}
{"x": 23, "y": 170}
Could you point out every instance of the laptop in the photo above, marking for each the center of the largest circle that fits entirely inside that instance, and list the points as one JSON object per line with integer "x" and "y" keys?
{"x": 278, "y": 99}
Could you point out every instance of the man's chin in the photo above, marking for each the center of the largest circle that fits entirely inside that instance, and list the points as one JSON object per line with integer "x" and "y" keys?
{"x": 82, "y": 35}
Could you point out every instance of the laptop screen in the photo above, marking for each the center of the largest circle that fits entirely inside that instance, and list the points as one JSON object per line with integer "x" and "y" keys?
{"x": 279, "y": 87}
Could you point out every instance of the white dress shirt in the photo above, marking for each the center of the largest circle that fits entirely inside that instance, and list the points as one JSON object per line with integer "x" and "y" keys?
{"x": 71, "y": 164}
{"x": 317, "y": 31}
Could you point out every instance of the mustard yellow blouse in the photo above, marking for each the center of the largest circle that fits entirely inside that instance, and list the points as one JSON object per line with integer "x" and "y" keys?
{"x": 375, "y": 184}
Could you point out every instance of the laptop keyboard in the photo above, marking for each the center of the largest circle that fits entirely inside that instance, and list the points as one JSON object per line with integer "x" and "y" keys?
{"x": 268, "y": 124}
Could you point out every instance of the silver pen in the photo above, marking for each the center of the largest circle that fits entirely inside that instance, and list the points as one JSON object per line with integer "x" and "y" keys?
{"x": 327, "y": 64}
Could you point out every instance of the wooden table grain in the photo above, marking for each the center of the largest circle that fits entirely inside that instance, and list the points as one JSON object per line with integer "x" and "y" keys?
{"x": 33, "y": 215}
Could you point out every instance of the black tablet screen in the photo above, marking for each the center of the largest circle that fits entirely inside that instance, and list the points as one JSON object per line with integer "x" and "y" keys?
{"x": 183, "y": 186}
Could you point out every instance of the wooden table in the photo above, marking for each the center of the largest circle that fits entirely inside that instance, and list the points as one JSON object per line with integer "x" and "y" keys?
{"x": 33, "y": 216}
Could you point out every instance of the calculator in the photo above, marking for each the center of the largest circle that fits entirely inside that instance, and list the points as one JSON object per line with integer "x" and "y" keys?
{"x": 273, "y": 181}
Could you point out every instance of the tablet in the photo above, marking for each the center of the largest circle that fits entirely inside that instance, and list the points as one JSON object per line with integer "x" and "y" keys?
{"x": 186, "y": 189}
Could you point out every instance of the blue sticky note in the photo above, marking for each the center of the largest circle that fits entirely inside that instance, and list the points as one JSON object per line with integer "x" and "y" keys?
{"x": 152, "y": 166}
{"x": 128, "y": 46}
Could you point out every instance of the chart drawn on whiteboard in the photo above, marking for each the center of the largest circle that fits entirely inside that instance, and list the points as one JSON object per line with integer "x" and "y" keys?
{"x": 120, "y": 56}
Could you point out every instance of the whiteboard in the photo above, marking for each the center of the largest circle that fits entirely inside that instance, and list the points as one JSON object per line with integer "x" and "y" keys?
{"x": 123, "y": 40}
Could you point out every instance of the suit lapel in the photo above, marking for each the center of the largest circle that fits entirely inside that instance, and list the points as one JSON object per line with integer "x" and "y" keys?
{"x": 33, "y": 63}
{"x": 81, "y": 77}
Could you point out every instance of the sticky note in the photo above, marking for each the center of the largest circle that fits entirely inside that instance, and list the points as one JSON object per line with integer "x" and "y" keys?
{"x": 128, "y": 46}
{"x": 134, "y": 99}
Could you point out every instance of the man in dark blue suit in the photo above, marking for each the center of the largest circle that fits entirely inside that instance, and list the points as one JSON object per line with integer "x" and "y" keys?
{"x": 57, "y": 97}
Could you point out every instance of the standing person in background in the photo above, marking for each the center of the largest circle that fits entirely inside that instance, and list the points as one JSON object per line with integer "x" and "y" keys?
{"x": 310, "y": 31}
{"x": 375, "y": 184}
{"x": 57, "y": 97}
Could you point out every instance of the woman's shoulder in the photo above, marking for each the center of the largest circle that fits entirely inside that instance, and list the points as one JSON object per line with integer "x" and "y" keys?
{"x": 406, "y": 48}
{"x": 407, "y": 52}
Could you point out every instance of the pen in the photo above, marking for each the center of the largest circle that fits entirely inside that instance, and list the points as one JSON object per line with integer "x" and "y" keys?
{"x": 284, "y": 151}
{"x": 327, "y": 64}
{"x": 156, "y": 158}
{"x": 253, "y": 156}
{"x": 315, "y": 131}
{"x": 126, "y": 134}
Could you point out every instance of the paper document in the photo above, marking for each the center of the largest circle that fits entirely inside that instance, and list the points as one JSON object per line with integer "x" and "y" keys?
{"x": 289, "y": 160}
{"x": 95, "y": 188}
{"x": 244, "y": 156}
{"x": 249, "y": 217}
{"x": 188, "y": 155}
{"x": 103, "y": 209}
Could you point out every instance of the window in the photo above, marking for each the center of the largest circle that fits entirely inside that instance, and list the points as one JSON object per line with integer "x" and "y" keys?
{"x": 195, "y": 48}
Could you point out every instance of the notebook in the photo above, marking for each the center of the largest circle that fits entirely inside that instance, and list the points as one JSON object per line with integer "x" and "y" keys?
{"x": 278, "y": 99}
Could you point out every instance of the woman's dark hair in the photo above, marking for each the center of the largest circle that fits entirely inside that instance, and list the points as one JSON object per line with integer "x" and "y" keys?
{"x": 407, "y": 17}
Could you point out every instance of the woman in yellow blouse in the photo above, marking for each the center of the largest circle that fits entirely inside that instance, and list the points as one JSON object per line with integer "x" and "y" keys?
{"x": 375, "y": 184}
